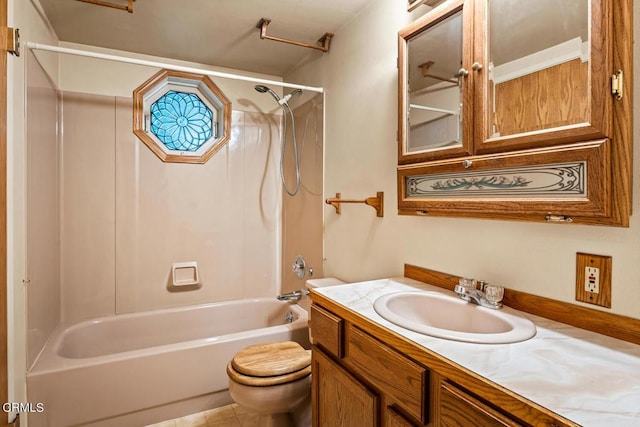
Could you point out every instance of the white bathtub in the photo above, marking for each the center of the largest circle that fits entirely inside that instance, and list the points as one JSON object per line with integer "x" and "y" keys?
{"x": 135, "y": 369}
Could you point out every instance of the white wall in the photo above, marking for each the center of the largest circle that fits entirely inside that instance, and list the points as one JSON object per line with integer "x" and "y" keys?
{"x": 360, "y": 77}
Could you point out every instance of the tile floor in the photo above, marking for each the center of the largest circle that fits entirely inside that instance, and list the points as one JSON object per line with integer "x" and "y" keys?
{"x": 226, "y": 416}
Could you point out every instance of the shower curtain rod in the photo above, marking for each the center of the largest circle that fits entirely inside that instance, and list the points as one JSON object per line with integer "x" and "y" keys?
{"x": 156, "y": 64}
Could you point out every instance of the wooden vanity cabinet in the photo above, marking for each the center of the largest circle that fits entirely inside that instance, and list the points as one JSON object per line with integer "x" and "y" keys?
{"x": 360, "y": 380}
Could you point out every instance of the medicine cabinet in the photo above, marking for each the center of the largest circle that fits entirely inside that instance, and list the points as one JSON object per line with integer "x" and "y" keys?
{"x": 513, "y": 109}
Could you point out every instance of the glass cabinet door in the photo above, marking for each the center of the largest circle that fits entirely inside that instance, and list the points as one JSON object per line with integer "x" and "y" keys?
{"x": 542, "y": 80}
{"x": 436, "y": 86}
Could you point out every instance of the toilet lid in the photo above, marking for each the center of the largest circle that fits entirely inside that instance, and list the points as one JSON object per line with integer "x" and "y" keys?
{"x": 271, "y": 359}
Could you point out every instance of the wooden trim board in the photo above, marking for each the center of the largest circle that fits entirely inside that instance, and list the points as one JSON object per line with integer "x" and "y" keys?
{"x": 613, "y": 325}
{"x": 4, "y": 382}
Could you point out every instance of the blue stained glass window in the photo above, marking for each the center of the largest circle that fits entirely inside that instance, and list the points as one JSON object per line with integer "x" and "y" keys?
{"x": 181, "y": 121}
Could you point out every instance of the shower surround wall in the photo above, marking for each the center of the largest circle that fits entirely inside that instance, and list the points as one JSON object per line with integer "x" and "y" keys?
{"x": 43, "y": 196}
{"x": 302, "y": 213}
{"x": 127, "y": 216}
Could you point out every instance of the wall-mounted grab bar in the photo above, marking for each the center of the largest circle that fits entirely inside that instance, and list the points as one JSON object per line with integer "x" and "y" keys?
{"x": 376, "y": 202}
{"x": 324, "y": 40}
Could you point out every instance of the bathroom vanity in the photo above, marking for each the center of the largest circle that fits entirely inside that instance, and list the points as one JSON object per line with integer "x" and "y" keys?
{"x": 370, "y": 372}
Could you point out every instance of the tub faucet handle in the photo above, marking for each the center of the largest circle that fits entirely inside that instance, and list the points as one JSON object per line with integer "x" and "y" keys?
{"x": 299, "y": 267}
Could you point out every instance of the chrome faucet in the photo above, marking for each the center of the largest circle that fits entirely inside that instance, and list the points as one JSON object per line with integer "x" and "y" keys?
{"x": 480, "y": 293}
{"x": 294, "y": 296}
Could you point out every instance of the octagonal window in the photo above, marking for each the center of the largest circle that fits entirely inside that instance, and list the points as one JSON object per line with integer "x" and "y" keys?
{"x": 181, "y": 117}
{"x": 181, "y": 121}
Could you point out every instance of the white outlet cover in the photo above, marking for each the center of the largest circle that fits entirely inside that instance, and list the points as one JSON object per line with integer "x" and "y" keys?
{"x": 592, "y": 279}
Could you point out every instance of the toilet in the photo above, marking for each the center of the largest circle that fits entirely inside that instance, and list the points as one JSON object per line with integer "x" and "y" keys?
{"x": 273, "y": 379}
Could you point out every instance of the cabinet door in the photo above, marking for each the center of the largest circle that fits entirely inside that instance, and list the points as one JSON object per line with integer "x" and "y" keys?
{"x": 459, "y": 409}
{"x": 545, "y": 76}
{"x": 393, "y": 418}
{"x": 435, "y": 103}
{"x": 339, "y": 400}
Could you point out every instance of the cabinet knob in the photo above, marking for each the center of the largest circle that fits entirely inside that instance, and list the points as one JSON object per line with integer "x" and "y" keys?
{"x": 462, "y": 73}
{"x": 467, "y": 163}
{"x": 476, "y": 66}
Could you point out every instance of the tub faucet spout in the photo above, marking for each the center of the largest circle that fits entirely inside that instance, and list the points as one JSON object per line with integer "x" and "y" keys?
{"x": 294, "y": 296}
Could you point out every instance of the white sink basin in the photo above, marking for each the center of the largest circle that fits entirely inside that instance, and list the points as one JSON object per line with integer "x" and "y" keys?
{"x": 443, "y": 316}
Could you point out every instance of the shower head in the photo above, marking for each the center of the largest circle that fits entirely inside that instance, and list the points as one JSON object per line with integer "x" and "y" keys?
{"x": 265, "y": 89}
{"x": 285, "y": 99}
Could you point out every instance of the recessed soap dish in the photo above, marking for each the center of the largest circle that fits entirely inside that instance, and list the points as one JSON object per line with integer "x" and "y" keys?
{"x": 185, "y": 273}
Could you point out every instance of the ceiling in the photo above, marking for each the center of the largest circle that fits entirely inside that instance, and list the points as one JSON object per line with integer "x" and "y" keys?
{"x": 216, "y": 32}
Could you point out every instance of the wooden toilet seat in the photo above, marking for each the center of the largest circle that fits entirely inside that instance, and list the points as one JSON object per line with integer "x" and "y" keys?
{"x": 270, "y": 363}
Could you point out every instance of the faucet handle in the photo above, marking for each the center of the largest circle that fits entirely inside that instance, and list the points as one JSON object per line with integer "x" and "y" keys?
{"x": 467, "y": 283}
{"x": 494, "y": 294}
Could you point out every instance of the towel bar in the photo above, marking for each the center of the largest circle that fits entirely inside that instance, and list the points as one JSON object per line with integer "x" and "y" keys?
{"x": 324, "y": 40}
{"x": 376, "y": 202}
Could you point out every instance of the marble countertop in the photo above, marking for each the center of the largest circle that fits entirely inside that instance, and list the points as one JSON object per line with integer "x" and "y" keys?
{"x": 588, "y": 378}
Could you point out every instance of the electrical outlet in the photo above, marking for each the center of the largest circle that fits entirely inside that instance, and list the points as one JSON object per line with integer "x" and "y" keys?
{"x": 593, "y": 279}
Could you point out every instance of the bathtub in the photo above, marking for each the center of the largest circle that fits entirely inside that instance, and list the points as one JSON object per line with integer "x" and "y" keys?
{"x": 140, "y": 368}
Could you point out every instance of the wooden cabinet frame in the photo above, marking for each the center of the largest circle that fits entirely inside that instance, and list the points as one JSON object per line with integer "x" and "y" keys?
{"x": 603, "y": 141}
{"x": 592, "y": 201}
